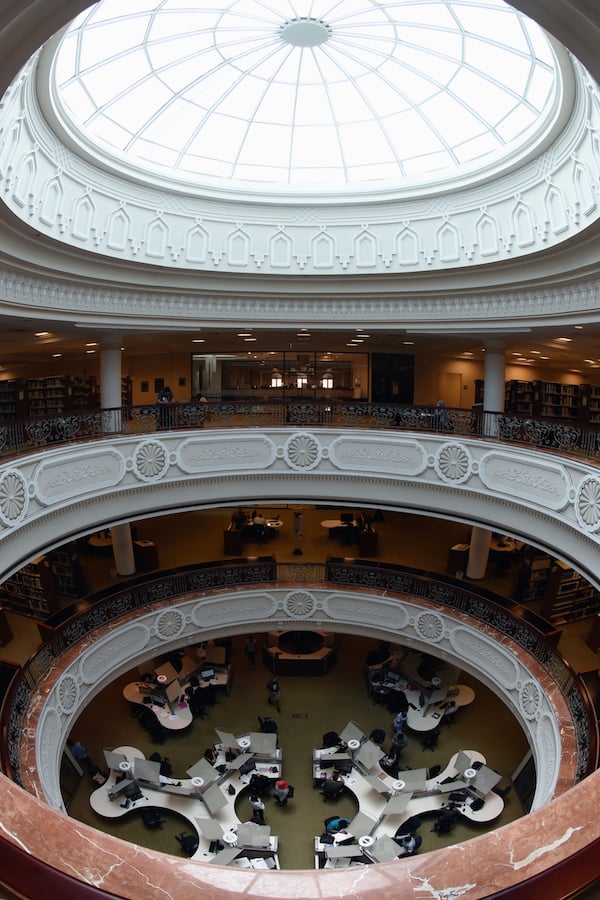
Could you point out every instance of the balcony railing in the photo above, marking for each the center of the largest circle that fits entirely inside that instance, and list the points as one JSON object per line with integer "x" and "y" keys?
{"x": 549, "y": 434}
{"x": 73, "y": 624}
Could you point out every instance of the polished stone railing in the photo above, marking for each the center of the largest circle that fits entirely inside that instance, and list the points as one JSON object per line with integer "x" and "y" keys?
{"x": 69, "y": 626}
{"x": 550, "y": 434}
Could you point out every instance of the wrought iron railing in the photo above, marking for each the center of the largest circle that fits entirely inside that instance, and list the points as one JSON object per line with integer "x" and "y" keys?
{"x": 69, "y": 626}
{"x": 552, "y": 434}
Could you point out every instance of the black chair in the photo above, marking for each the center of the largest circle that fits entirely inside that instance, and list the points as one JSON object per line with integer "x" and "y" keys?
{"x": 332, "y": 790}
{"x": 188, "y": 842}
{"x": 377, "y": 736}
{"x": 430, "y": 739}
{"x": 267, "y": 725}
{"x": 503, "y": 792}
{"x": 331, "y": 739}
{"x": 152, "y": 818}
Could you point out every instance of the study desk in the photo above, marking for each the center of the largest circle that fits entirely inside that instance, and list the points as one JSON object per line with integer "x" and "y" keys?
{"x": 205, "y": 803}
{"x": 425, "y": 704}
{"x": 384, "y": 802}
{"x": 172, "y": 716}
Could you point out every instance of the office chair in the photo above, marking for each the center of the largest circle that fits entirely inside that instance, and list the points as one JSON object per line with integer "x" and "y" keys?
{"x": 152, "y": 818}
{"x": 377, "y": 736}
{"x": 189, "y": 842}
{"x": 430, "y": 739}
{"x": 503, "y": 792}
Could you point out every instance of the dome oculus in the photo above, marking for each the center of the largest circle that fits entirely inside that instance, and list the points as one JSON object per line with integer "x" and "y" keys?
{"x": 287, "y": 93}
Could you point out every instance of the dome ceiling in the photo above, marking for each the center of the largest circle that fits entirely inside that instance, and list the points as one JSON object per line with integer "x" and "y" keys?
{"x": 285, "y": 93}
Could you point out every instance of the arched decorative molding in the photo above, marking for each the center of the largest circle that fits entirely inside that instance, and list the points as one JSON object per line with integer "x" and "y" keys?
{"x": 550, "y": 501}
{"x": 333, "y": 238}
{"x": 505, "y": 667}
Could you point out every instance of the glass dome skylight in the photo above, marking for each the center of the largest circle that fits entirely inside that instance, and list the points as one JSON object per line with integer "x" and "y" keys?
{"x": 286, "y": 93}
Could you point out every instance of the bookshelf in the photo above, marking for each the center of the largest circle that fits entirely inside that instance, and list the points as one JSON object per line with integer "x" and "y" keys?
{"x": 27, "y": 398}
{"x": 37, "y": 589}
{"x": 568, "y": 595}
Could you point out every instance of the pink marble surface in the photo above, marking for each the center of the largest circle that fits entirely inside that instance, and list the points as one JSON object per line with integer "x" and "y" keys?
{"x": 485, "y": 865}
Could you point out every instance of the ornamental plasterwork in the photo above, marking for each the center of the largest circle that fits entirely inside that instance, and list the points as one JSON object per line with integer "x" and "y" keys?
{"x": 299, "y": 605}
{"x": 541, "y": 495}
{"x": 157, "y": 630}
{"x": 150, "y": 461}
{"x": 364, "y": 300}
{"x": 453, "y": 463}
{"x": 587, "y": 504}
{"x": 302, "y": 452}
{"x": 13, "y": 497}
{"x": 64, "y": 196}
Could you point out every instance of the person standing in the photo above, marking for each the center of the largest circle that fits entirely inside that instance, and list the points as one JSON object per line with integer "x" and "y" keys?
{"x": 281, "y": 792}
{"x": 165, "y": 399}
{"x": 250, "y": 650}
{"x": 258, "y": 809}
{"x": 274, "y": 693}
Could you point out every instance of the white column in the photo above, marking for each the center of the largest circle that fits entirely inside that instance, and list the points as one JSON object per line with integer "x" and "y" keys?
{"x": 479, "y": 551}
{"x": 123, "y": 549}
{"x": 110, "y": 383}
{"x": 493, "y": 386}
{"x": 110, "y": 398}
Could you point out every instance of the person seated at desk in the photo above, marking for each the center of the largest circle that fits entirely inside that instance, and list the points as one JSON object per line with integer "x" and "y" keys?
{"x": 335, "y": 824}
{"x": 260, "y": 527}
{"x": 333, "y": 787}
{"x": 238, "y": 518}
{"x": 450, "y": 710}
{"x": 389, "y": 764}
{"x": 409, "y": 843}
{"x": 258, "y": 809}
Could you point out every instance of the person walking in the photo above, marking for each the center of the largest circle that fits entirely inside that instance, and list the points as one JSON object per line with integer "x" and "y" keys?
{"x": 274, "y": 693}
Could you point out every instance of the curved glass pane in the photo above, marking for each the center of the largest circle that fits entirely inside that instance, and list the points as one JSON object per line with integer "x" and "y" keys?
{"x": 298, "y": 92}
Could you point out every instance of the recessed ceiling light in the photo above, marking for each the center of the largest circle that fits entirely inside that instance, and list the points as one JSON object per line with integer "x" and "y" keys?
{"x": 578, "y": 327}
{"x": 56, "y": 355}
{"x": 90, "y": 351}
{"x": 589, "y": 361}
{"x": 564, "y": 340}
{"x": 361, "y": 334}
{"x": 249, "y": 340}
{"x": 198, "y": 341}
{"x": 41, "y": 333}
{"x": 92, "y": 344}
{"x": 244, "y": 334}
{"x": 467, "y": 353}
{"x": 544, "y": 357}
{"x": 409, "y": 343}
{"x": 535, "y": 352}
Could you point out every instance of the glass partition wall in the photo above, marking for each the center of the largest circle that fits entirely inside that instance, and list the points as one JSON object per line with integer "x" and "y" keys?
{"x": 278, "y": 375}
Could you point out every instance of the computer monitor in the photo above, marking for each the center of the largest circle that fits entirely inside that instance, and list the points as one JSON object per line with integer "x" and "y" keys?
{"x": 147, "y": 770}
{"x": 347, "y": 518}
{"x": 114, "y": 760}
{"x": 214, "y": 799}
{"x": 173, "y": 692}
{"x": 255, "y": 836}
{"x": 207, "y": 674}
